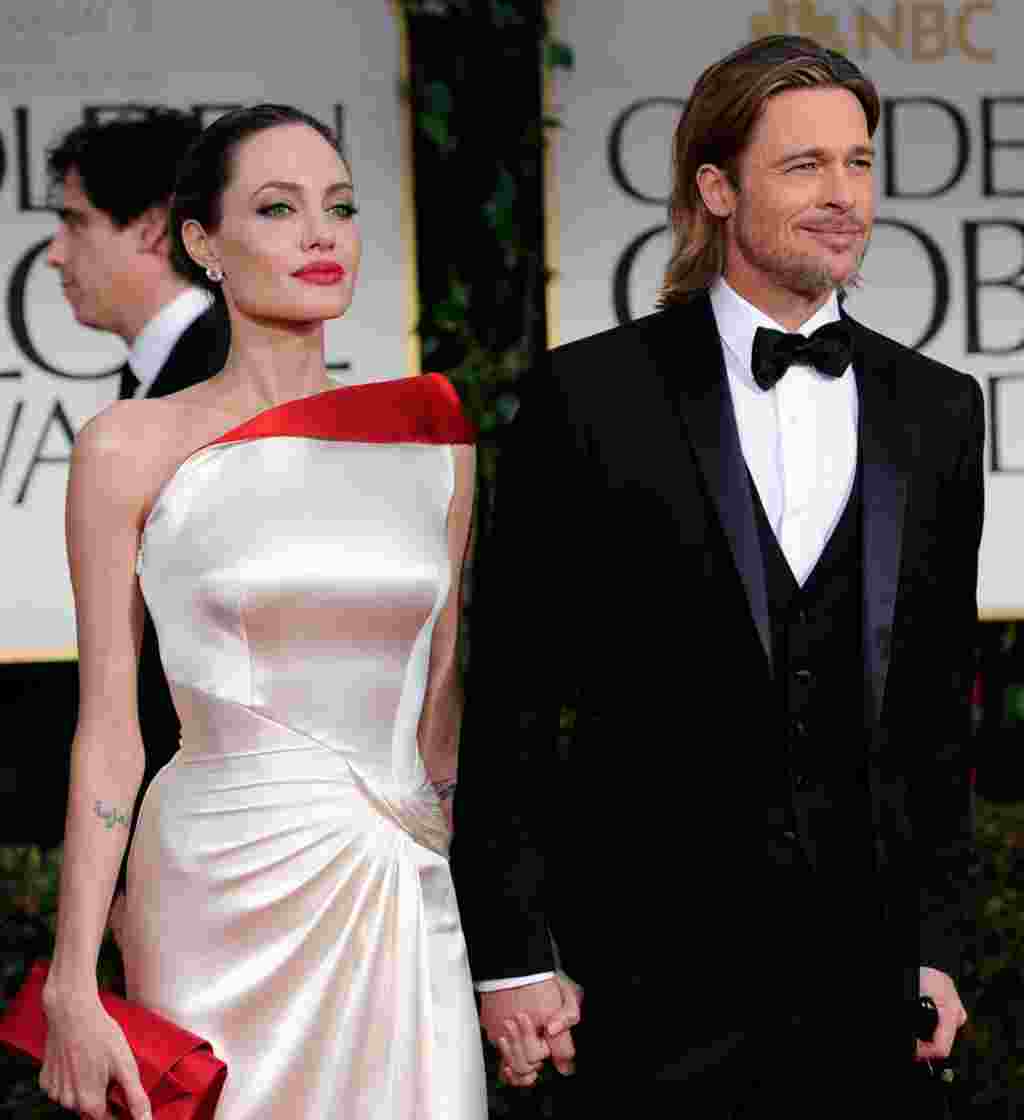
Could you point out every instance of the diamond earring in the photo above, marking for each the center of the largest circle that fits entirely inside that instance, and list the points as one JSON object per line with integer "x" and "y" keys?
{"x": 214, "y": 274}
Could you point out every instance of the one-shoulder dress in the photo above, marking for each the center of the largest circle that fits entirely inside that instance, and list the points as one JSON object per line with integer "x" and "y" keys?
{"x": 289, "y": 896}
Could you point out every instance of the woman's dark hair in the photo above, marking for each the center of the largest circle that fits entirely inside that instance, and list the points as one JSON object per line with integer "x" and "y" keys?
{"x": 206, "y": 170}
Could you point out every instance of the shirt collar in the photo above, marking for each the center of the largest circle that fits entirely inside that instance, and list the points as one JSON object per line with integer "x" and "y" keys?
{"x": 154, "y": 343}
{"x": 738, "y": 320}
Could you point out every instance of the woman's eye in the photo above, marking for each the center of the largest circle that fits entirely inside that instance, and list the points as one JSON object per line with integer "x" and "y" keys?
{"x": 275, "y": 209}
{"x": 344, "y": 210}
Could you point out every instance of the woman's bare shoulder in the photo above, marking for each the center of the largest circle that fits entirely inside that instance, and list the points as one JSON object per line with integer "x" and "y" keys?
{"x": 133, "y": 446}
{"x": 152, "y": 428}
{"x": 124, "y": 428}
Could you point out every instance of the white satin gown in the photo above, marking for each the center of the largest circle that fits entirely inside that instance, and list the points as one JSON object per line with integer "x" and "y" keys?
{"x": 289, "y": 896}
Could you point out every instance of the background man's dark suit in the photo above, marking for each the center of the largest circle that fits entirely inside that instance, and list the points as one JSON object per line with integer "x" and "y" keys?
{"x": 671, "y": 842}
{"x": 200, "y": 352}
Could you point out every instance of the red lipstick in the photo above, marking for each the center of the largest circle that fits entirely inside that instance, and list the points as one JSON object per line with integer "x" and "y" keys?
{"x": 321, "y": 272}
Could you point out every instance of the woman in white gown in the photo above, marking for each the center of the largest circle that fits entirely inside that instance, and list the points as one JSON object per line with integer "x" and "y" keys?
{"x": 300, "y": 549}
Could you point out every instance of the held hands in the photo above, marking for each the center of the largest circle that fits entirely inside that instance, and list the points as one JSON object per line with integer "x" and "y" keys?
{"x": 85, "y": 1051}
{"x": 951, "y": 1014}
{"x": 531, "y": 1024}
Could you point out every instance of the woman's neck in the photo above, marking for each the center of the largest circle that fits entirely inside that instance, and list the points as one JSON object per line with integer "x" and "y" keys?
{"x": 269, "y": 364}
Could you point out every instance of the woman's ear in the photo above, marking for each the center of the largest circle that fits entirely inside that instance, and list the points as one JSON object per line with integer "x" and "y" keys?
{"x": 197, "y": 244}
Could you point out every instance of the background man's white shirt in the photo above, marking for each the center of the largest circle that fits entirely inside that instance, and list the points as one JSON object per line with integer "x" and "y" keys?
{"x": 154, "y": 343}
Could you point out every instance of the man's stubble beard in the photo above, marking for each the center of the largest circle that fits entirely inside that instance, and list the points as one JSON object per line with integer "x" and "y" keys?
{"x": 800, "y": 273}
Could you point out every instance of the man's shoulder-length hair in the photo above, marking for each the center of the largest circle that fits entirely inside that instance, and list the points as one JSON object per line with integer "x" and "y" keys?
{"x": 716, "y": 127}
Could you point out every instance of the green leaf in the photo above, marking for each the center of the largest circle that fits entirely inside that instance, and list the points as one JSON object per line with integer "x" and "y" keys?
{"x": 436, "y": 127}
{"x": 459, "y": 294}
{"x": 505, "y": 14}
{"x": 559, "y": 55}
{"x": 1013, "y": 700}
{"x": 499, "y": 210}
{"x": 438, "y": 97}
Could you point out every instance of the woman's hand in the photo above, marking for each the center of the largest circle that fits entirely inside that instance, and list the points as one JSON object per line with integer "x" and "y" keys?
{"x": 85, "y": 1051}
{"x": 523, "y": 1052}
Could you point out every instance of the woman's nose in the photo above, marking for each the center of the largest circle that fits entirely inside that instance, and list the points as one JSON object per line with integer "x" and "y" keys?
{"x": 318, "y": 233}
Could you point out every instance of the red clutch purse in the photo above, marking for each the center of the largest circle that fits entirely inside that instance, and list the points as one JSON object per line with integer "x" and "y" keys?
{"x": 182, "y": 1076}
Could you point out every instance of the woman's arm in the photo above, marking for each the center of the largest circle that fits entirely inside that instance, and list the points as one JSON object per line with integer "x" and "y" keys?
{"x": 442, "y": 706}
{"x": 107, "y": 492}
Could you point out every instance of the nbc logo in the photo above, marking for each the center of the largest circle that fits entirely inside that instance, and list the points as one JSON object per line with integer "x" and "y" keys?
{"x": 915, "y": 30}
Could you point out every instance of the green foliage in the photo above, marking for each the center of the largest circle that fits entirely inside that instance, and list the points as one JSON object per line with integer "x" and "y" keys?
{"x": 992, "y": 1055}
{"x": 558, "y": 55}
{"x": 482, "y": 311}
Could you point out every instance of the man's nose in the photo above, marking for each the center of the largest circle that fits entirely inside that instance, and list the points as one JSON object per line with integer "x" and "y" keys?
{"x": 55, "y": 252}
{"x": 839, "y": 192}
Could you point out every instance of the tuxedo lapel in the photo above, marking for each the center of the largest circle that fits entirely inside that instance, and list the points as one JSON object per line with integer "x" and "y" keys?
{"x": 200, "y": 351}
{"x": 690, "y": 360}
{"x": 127, "y": 382}
{"x": 886, "y": 439}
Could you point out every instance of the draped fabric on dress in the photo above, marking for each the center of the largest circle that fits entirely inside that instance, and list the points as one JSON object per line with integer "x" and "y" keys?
{"x": 288, "y": 888}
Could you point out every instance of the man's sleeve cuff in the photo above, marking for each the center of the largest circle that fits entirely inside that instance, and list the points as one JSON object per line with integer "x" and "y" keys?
{"x": 512, "y": 982}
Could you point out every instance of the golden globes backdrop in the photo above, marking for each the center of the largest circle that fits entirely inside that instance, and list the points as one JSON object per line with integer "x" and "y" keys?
{"x": 945, "y": 271}
{"x": 65, "y": 60}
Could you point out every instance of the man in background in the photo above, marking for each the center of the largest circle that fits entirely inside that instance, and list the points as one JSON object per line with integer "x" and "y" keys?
{"x": 113, "y": 182}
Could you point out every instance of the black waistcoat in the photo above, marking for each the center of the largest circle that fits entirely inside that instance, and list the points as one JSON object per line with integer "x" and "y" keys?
{"x": 817, "y": 652}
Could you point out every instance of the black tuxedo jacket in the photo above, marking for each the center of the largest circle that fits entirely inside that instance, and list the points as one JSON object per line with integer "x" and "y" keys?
{"x": 620, "y": 778}
{"x": 200, "y": 352}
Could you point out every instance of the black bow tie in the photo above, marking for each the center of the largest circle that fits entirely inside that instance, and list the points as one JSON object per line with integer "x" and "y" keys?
{"x": 128, "y": 383}
{"x": 829, "y": 350}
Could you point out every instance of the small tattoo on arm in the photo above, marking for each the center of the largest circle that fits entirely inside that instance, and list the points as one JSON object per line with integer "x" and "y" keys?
{"x": 111, "y": 816}
{"x": 445, "y": 789}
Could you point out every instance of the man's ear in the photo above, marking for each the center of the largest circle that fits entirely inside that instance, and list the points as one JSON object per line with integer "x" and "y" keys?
{"x": 717, "y": 190}
{"x": 153, "y": 232}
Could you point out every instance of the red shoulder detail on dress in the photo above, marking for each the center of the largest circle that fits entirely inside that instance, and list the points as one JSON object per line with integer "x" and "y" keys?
{"x": 424, "y": 409}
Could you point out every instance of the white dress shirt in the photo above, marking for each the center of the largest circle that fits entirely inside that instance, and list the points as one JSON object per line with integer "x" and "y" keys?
{"x": 154, "y": 343}
{"x": 799, "y": 440}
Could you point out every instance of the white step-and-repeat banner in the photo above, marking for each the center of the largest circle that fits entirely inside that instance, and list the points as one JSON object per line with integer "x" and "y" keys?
{"x": 64, "y": 60}
{"x": 945, "y": 271}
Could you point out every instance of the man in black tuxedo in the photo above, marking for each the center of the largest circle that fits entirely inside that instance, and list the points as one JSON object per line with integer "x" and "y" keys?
{"x": 735, "y": 557}
{"x": 114, "y": 180}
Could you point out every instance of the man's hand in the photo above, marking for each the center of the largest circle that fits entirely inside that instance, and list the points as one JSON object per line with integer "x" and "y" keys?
{"x": 572, "y": 1006}
{"x": 551, "y": 1009}
{"x": 951, "y": 1014}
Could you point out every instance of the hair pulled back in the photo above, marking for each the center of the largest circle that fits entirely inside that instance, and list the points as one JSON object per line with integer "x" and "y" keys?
{"x": 206, "y": 169}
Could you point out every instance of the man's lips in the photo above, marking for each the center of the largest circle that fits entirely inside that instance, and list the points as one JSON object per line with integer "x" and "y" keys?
{"x": 323, "y": 272}
{"x": 837, "y": 239}
{"x": 835, "y": 231}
